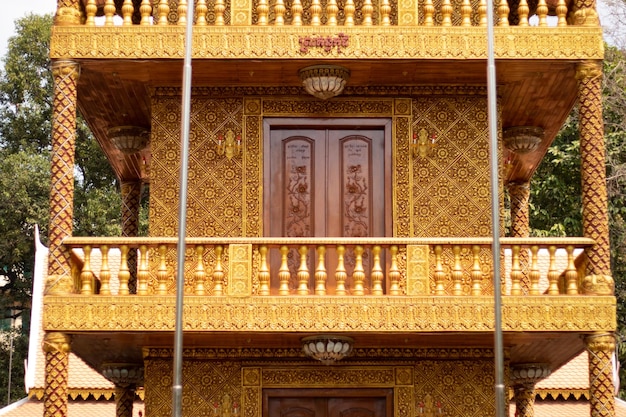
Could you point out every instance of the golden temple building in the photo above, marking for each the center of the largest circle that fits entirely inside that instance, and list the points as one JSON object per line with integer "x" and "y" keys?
{"x": 338, "y": 221}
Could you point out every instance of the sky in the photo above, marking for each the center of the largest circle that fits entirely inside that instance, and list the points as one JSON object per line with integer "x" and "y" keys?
{"x": 14, "y": 9}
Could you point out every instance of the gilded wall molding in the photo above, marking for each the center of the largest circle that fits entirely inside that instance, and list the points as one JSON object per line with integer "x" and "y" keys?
{"x": 380, "y": 314}
{"x": 145, "y": 42}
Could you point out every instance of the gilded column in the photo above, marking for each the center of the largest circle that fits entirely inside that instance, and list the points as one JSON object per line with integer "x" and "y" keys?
{"x": 598, "y": 278}
{"x": 519, "y": 193}
{"x": 56, "y": 347}
{"x": 126, "y": 378}
{"x": 62, "y": 169}
{"x": 601, "y": 348}
{"x": 524, "y": 378}
{"x": 131, "y": 201}
{"x": 68, "y": 13}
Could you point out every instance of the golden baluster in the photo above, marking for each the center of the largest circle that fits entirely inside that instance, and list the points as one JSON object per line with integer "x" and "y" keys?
{"x": 127, "y": 12}
{"x": 340, "y": 272}
{"x": 466, "y": 13}
{"x": 163, "y": 10}
{"x": 516, "y": 271}
{"x": 218, "y": 271}
{"x": 86, "y": 275}
{"x": 142, "y": 271}
{"x": 262, "y": 11}
{"x": 316, "y": 12}
{"x": 124, "y": 274}
{"x": 446, "y": 13}
{"x": 279, "y": 13}
{"x": 182, "y": 12}
{"x": 394, "y": 272}
{"x": 320, "y": 271}
{"x": 553, "y": 274}
{"x": 385, "y": 12}
{"x": 440, "y": 275}
{"x": 91, "y": 9}
{"x": 571, "y": 275}
{"x": 561, "y": 13}
{"x": 296, "y": 13}
{"x": 105, "y": 272}
{"x": 377, "y": 272}
{"x": 457, "y": 271}
{"x": 534, "y": 274}
{"x": 303, "y": 272}
{"x": 264, "y": 272}
{"x": 358, "y": 275}
{"x": 368, "y": 11}
{"x": 283, "y": 272}
{"x": 482, "y": 13}
{"x": 201, "y": 11}
{"x": 349, "y": 10}
{"x": 542, "y": 13}
{"x": 199, "y": 275}
{"x": 219, "y": 8}
{"x": 331, "y": 12}
{"x": 429, "y": 12}
{"x": 146, "y": 12}
{"x": 503, "y": 13}
{"x": 162, "y": 272}
{"x": 477, "y": 273}
{"x": 522, "y": 13}
{"x": 109, "y": 12}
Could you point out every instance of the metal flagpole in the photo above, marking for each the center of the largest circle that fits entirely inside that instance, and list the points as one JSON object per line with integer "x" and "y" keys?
{"x": 495, "y": 215}
{"x": 177, "y": 385}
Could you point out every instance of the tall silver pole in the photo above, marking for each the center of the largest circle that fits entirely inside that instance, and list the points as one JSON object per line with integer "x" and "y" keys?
{"x": 495, "y": 215}
{"x": 177, "y": 385}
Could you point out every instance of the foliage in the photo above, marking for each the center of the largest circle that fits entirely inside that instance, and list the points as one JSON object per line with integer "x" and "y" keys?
{"x": 556, "y": 189}
{"x": 19, "y": 346}
{"x": 26, "y": 92}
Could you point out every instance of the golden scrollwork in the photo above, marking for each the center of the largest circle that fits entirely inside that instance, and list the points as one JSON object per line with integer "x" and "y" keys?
{"x": 562, "y": 313}
{"x": 365, "y": 42}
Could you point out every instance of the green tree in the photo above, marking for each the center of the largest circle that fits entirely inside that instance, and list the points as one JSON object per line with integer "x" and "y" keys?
{"x": 26, "y": 88}
{"x": 555, "y": 205}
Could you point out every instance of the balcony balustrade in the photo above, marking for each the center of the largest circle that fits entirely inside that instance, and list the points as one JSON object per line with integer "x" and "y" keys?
{"x": 464, "y": 13}
{"x": 330, "y": 266}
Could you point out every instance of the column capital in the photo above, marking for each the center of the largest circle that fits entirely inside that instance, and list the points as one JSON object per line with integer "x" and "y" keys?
{"x": 529, "y": 373}
{"x": 124, "y": 374}
{"x": 588, "y": 69}
{"x": 600, "y": 342}
{"x": 56, "y": 342}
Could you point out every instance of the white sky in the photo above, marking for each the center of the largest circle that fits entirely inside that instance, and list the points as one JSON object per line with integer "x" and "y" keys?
{"x": 14, "y": 9}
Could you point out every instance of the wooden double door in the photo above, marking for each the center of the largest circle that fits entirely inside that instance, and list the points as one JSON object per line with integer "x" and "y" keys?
{"x": 327, "y": 403}
{"x": 327, "y": 179}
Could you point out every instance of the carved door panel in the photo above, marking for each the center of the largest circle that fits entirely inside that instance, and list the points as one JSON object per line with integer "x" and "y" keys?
{"x": 352, "y": 404}
{"x": 327, "y": 182}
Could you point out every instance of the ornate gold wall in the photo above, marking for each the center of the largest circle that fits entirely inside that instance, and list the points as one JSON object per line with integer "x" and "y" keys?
{"x": 461, "y": 380}
{"x": 445, "y": 193}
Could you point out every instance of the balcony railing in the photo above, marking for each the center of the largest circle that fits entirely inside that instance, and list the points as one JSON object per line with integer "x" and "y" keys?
{"x": 463, "y": 13}
{"x": 328, "y": 266}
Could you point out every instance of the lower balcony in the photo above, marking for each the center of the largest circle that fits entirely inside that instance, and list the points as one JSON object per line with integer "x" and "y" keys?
{"x": 386, "y": 293}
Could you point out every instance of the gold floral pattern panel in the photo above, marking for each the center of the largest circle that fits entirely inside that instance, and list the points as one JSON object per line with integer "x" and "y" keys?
{"x": 451, "y": 192}
{"x": 230, "y": 382}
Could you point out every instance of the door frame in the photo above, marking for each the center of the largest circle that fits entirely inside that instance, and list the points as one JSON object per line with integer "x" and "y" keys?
{"x": 351, "y": 123}
{"x": 386, "y": 393}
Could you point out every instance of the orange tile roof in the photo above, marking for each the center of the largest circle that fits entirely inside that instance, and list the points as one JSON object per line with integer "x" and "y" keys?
{"x": 571, "y": 408}
{"x": 572, "y": 379}
{"x": 34, "y": 408}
